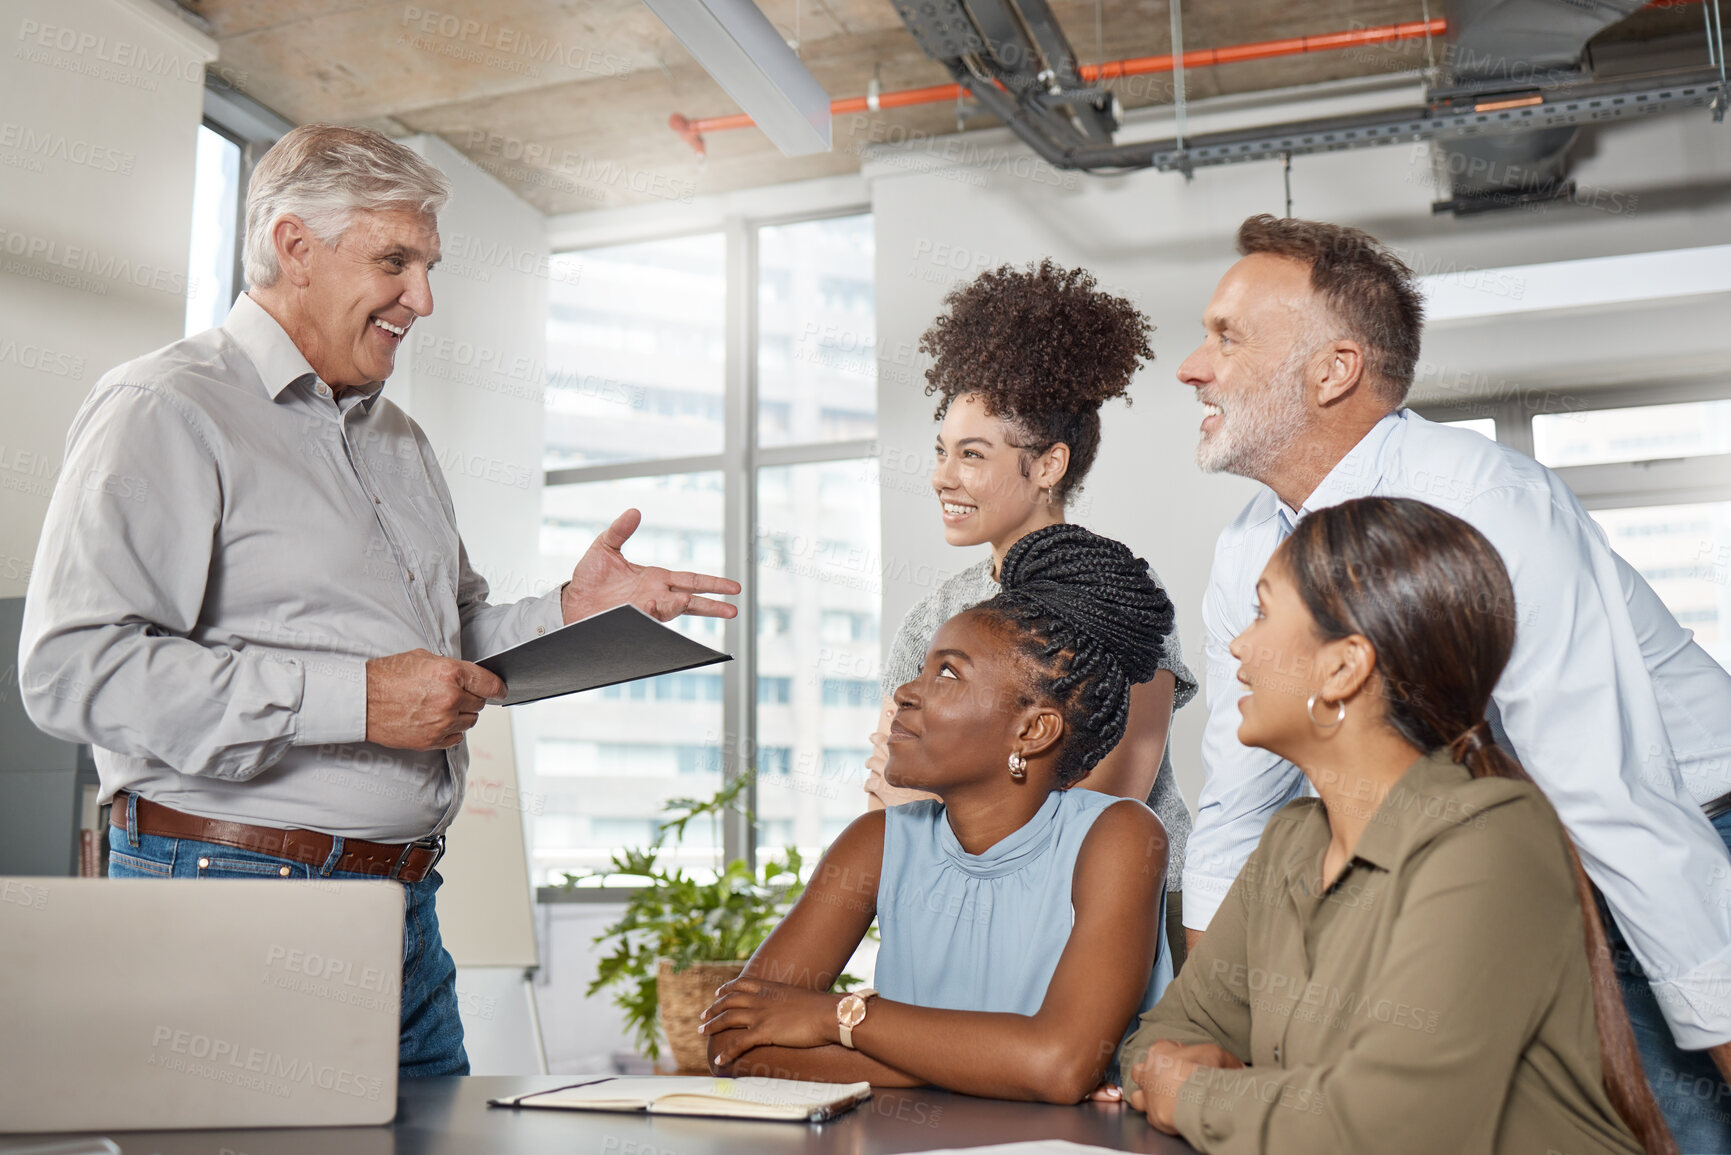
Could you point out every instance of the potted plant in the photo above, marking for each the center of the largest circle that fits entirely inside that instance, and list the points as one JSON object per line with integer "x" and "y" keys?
{"x": 681, "y": 937}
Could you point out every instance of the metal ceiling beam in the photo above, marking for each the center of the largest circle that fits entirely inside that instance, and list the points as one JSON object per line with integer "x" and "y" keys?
{"x": 1092, "y": 108}
{"x": 1584, "y": 104}
{"x": 1516, "y": 129}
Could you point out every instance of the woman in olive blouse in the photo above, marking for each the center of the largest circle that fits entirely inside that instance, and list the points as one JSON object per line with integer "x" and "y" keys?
{"x": 1400, "y": 965}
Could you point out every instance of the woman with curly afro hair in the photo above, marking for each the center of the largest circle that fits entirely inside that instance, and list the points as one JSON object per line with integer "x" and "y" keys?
{"x": 1023, "y": 359}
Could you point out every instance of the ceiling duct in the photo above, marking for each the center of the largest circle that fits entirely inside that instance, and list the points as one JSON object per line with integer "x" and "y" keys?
{"x": 1510, "y": 52}
{"x": 1517, "y": 83}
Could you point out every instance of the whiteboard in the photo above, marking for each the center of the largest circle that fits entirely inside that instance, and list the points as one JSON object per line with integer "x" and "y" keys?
{"x": 486, "y": 909}
{"x": 501, "y": 1024}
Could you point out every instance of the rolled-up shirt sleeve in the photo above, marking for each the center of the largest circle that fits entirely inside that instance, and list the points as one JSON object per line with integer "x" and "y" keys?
{"x": 105, "y": 655}
{"x": 1244, "y": 786}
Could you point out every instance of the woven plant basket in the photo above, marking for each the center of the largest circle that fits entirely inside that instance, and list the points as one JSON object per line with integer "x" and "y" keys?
{"x": 684, "y": 996}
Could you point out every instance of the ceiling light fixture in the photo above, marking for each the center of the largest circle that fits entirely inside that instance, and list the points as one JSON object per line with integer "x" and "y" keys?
{"x": 742, "y": 51}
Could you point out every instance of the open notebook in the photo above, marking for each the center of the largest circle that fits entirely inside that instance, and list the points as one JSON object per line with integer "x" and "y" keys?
{"x": 753, "y": 1098}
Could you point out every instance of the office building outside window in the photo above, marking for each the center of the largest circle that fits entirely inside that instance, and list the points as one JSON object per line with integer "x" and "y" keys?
{"x": 638, "y": 410}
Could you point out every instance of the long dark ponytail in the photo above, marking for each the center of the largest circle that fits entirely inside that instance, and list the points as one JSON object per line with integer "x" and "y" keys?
{"x": 1433, "y": 598}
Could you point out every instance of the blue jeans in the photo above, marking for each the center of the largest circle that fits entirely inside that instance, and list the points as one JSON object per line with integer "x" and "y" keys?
{"x": 430, "y": 1041}
{"x": 1691, "y": 1092}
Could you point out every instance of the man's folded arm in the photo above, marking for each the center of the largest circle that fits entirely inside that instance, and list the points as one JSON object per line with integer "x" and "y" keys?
{"x": 117, "y": 587}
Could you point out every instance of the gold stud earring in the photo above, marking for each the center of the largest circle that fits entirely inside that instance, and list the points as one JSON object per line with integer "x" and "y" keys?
{"x": 1018, "y": 766}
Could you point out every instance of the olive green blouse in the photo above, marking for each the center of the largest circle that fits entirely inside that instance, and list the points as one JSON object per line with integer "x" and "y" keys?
{"x": 1436, "y": 998}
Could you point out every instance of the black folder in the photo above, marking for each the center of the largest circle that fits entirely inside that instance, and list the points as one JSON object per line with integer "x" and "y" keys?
{"x": 622, "y": 644}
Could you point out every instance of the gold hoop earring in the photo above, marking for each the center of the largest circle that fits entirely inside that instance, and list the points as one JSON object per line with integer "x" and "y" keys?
{"x": 1310, "y": 711}
{"x": 1018, "y": 766}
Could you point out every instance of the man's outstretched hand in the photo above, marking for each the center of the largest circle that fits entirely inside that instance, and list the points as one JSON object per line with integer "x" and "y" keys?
{"x": 604, "y": 579}
{"x": 420, "y": 701}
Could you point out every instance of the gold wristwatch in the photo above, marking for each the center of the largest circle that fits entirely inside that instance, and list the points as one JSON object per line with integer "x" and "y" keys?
{"x": 850, "y": 1013}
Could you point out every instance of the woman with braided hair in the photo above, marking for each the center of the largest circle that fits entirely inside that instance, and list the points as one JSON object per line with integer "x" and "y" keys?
{"x": 1023, "y": 359}
{"x": 1020, "y": 918}
{"x": 1411, "y": 961}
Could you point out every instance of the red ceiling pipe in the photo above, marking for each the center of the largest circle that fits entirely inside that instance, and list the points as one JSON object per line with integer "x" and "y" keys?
{"x": 693, "y": 130}
{"x": 1268, "y": 49}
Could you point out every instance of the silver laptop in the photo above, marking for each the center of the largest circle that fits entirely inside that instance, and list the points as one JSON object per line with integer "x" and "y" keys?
{"x": 144, "y": 1004}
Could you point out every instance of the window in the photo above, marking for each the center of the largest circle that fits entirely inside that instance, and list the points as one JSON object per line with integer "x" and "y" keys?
{"x": 635, "y": 352}
{"x": 1684, "y": 551}
{"x": 644, "y": 409}
{"x": 216, "y": 204}
{"x": 1653, "y": 467}
{"x": 817, "y": 337}
{"x": 612, "y": 756}
{"x": 1638, "y": 433}
{"x": 1486, "y": 426}
{"x": 848, "y": 626}
{"x": 830, "y": 572}
{"x": 850, "y": 692}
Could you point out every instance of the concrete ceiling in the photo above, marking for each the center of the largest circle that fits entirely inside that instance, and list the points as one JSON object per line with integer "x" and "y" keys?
{"x": 567, "y": 101}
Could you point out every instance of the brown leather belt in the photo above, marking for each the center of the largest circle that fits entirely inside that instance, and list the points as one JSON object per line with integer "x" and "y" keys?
{"x": 403, "y": 861}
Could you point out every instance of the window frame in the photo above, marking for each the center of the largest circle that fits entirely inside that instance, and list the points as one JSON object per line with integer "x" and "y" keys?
{"x": 738, "y": 463}
{"x": 237, "y": 276}
{"x": 242, "y": 121}
{"x": 1615, "y": 484}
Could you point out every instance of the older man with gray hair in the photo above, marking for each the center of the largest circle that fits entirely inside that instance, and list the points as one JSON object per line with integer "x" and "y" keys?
{"x": 255, "y": 604}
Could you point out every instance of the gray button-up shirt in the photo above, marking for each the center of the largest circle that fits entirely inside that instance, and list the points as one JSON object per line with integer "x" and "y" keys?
{"x": 226, "y": 548}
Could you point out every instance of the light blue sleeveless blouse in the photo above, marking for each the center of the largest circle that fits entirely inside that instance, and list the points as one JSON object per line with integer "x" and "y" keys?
{"x": 983, "y": 932}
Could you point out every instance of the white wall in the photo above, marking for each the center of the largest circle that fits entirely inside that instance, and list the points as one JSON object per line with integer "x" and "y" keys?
{"x": 473, "y": 373}
{"x": 1165, "y": 241}
{"x": 100, "y": 103}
